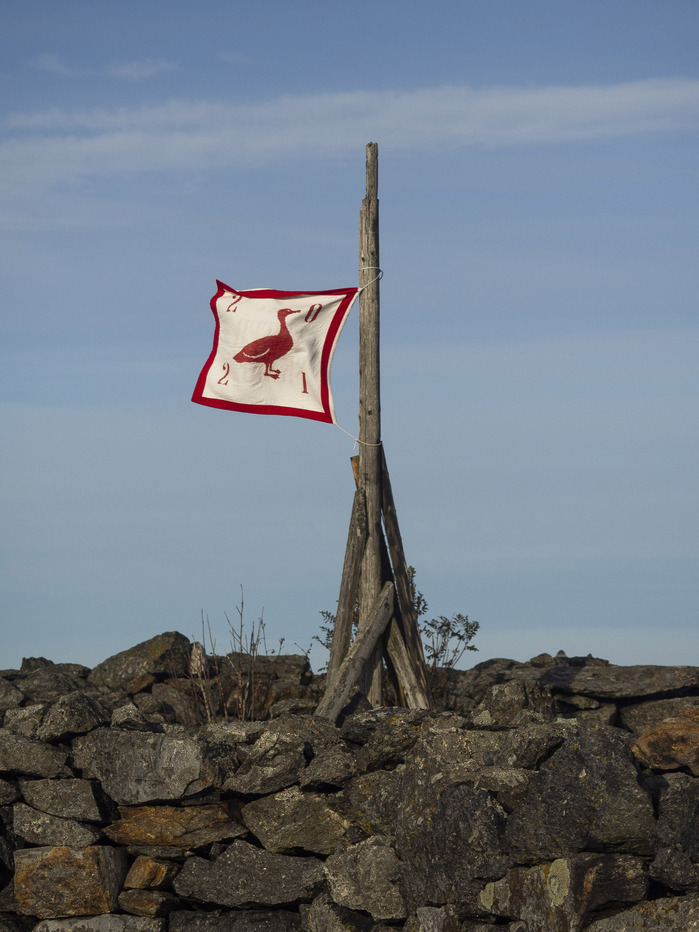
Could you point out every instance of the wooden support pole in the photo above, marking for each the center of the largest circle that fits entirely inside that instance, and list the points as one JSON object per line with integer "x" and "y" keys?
{"x": 342, "y": 634}
{"x": 362, "y": 647}
{"x": 409, "y": 629}
{"x": 370, "y": 415}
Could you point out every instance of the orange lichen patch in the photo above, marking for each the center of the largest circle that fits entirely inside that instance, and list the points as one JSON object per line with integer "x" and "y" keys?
{"x": 672, "y": 744}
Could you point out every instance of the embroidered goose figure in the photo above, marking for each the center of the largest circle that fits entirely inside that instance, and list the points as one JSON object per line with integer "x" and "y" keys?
{"x": 269, "y": 349}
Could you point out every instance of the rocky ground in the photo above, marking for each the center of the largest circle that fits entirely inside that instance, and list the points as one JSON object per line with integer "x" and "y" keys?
{"x": 168, "y": 790}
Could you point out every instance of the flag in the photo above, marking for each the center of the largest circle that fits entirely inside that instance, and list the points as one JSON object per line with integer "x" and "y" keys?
{"x": 272, "y": 351}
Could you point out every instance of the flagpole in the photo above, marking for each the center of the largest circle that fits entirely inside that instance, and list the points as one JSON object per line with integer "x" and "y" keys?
{"x": 370, "y": 417}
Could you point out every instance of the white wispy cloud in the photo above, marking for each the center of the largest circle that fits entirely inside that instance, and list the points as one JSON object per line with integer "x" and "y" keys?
{"x": 134, "y": 70}
{"x": 66, "y": 145}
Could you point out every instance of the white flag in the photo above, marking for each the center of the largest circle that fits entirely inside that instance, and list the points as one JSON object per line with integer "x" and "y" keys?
{"x": 272, "y": 351}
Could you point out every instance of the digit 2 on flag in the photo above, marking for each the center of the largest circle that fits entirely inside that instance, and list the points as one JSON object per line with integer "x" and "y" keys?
{"x": 273, "y": 350}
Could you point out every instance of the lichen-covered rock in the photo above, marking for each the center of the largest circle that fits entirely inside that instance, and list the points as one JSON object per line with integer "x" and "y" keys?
{"x": 74, "y": 714}
{"x": 281, "y": 753}
{"x": 639, "y": 717}
{"x": 106, "y": 923}
{"x": 326, "y": 916}
{"x": 71, "y": 798}
{"x": 246, "y": 876}
{"x": 185, "y": 827}
{"x": 10, "y": 696}
{"x": 559, "y": 897}
{"x": 586, "y": 797}
{"x": 153, "y": 903}
{"x": 164, "y": 655}
{"x": 150, "y": 872}
{"x": 39, "y": 828}
{"x": 672, "y": 744}
{"x": 369, "y": 877}
{"x": 31, "y": 757}
{"x": 514, "y": 704}
{"x": 26, "y": 720}
{"x": 54, "y": 882}
{"x": 140, "y": 767}
{"x": 668, "y": 914}
{"x": 293, "y": 820}
{"x": 676, "y": 864}
{"x": 450, "y": 839}
{"x": 249, "y": 920}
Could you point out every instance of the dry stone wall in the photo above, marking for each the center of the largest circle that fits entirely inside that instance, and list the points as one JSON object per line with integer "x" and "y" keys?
{"x": 559, "y": 795}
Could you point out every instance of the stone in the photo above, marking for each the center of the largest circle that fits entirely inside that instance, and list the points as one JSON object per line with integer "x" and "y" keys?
{"x": 10, "y": 696}
{"x": 150, "y": 872}
{"x": 163, "y": 655}
{"x": 71, "y": 798}
{"x": 560, "y": 896}
{"x": 153, "y": 903}
{"x": 639, "y": 717}
{"x": 292, "y": 820}
{"x": 668, "y": 914}
{"x": 330, "y": 770}
{"x": 674, "y": 869}
{"x": 278, "y": 920}
{"x": 586, "y": 797}
{"x": 678, "y": 814}
{"x": 185, "y": 827}
{"x": 25, "y": 721}
{"x": 105, "y": 923}
{"x": 39, "y": 828}
{"x": 450, "y": 839}
{"x": 178, "y": 703}
{"x": 246, "y": 876}
{"x": 22, "y": 755}
{"x": 395, "y": 732}
{"x": 9, "y": 792}
{"x": 141, "y": 767}
{"x": 370, "y": 803}
{"x": 49, "y": 683}
{"x": 130, "y": 718}
{"x": 672, "y": 744}
{"x": 434, "y": 919}
{"x": 368, "y": 877}
{"x": 621, "y": 683}
{"x": 326, "y": 916}
{"x": 514, "y": 705}
{"x": 280, "y": 754}
{"x": 463, "y": 751}
{"x": 74, "y": 714}
{"x": 54, "y": 882}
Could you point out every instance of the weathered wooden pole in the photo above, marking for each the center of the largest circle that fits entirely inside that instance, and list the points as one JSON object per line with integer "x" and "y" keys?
{"x": 370, "y": 462}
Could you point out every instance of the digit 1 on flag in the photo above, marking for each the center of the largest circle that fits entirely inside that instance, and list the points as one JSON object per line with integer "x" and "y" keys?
{"x": 305, "y": 387}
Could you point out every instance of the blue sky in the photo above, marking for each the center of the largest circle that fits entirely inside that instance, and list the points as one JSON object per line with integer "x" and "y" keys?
{"x": 538, "y": 188}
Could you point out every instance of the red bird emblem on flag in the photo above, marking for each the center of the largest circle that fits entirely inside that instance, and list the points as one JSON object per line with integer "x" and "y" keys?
{"x": 273, "y": 350}
{"x": 268, "y": 350}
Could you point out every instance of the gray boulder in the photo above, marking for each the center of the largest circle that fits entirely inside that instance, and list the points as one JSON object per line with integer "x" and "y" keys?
{"x": 586, "y": 797}
{"x": 246, "y": 876}
{"x": 559, "y": 897}
{"x": 39, "y": 828}
{"x": 369, "y": 877}
{"x": 161, "y": 656}
{"x": 139, "y": 767}
{"x": 668, "y": 914}
{"x": 31, "y": 757}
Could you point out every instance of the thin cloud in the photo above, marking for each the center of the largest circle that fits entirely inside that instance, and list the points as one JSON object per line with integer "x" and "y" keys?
{"x": 64, "y": 146}
{"x": 136, "y": 70}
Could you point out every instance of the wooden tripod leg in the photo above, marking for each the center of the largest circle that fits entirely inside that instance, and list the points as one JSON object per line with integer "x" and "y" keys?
{"x": 410, "y": 632}
{"x": 356, "y": 541}
{"x": 334, "y": 700}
